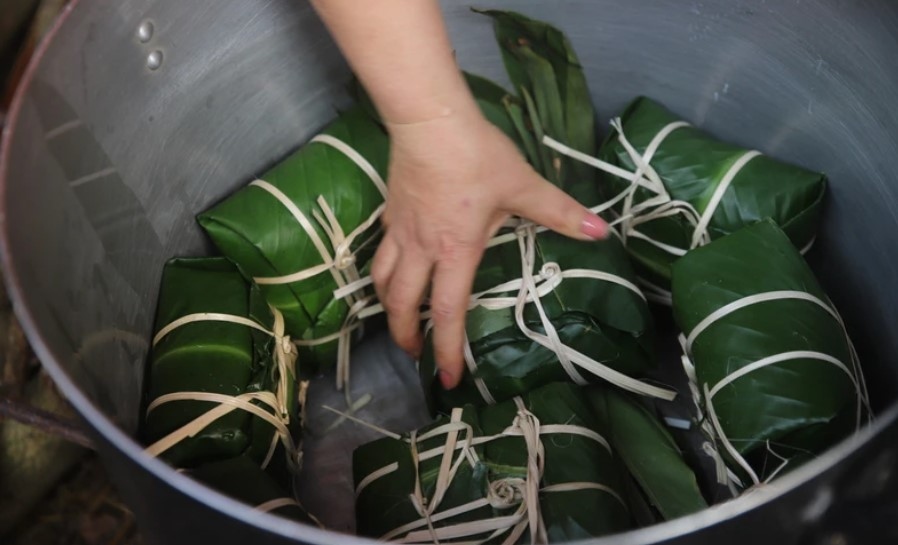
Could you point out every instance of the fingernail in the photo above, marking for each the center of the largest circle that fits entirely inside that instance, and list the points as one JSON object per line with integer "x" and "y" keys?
{"x": 447, "y": 380}
{"x": 593, "y": 227}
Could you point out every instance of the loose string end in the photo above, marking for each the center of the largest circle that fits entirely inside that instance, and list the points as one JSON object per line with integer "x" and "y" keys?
{"x": 361, "y": 422}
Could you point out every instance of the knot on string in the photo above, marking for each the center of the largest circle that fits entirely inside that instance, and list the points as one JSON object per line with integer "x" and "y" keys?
{"x": 529, "y": 426}
{"x": 549, "y": 270}
{"x": 523, "y": 228}
{"x": 505, "y": 493}
{"x": 529, "y": 290}
{"x": 346, "y": 274}
{"x": 285, "y": 344}
{"x": 527, "y": 423}
{"x": 344, "y": 258}
{"x": 720, "y": 467}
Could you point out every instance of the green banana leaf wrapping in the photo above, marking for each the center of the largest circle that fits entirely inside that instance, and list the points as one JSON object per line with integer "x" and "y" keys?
{"x": 492, "y": 476}
{"x": 779, "y": 374}
{"x": 606, "y": 321}
{"x": 258, "y": 232}
{"x": 242, "y": 479}
{"x": 651, "y": 455}
{"x": 214, "y": 357}
{"x": 692, "y": 165}
{"x": 603, "y": 320}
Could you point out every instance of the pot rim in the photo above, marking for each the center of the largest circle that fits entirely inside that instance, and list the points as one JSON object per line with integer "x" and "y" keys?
{"x": 664, "y": 531}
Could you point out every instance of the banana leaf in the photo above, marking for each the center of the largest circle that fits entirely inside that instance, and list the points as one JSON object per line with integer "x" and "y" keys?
{"x": 779, "y": 375}
{"x": 492, "y": 99}
{"x": 603, "y": 320}
{"x": 554, "y": 99}
{"x": 212, "y": 356}
{"x": 384, "y": 497}
{"x": 692, "y": 164}
{"x": 650, "y": 454}
{"x": 257, "y": 232}
{"x": 243, "y": 480}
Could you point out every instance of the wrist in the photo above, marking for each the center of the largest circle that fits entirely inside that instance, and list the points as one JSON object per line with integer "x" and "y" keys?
{"x": 432, "y": 100}
{"x": 448, "y": 121}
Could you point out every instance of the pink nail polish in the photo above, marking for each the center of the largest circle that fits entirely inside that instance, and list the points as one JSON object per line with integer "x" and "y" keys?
{"x": 593, "y": 227}
{"x": 446, "y": 380}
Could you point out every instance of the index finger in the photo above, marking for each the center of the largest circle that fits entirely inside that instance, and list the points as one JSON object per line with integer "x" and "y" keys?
{"x": 453, "y": 279}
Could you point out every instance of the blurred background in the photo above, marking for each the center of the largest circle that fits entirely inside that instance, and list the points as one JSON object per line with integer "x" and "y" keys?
{"x": 52, "y": 487}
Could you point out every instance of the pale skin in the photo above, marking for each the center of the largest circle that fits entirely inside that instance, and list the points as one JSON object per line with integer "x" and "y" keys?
{"x": 453, "y": 178}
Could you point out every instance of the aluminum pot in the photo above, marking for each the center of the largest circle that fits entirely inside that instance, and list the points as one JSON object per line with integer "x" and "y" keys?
{"x": 136, "y": 114}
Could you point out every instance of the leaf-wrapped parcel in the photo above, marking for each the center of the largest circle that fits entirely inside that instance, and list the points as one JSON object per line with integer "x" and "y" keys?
{"x": 308, "y": 226}
{"x": 696, "y": 188}
{"x": 242, "y": 479}
{"x": 535, "y": 464}
{"x": 547, "y": 308}
{"x": 589, "y": 299}
{"x": 215, "y": 346}
{"x": 775, "y": 374}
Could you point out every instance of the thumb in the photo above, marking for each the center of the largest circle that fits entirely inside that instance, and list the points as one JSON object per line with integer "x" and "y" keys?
{"x": 541, "y": 202}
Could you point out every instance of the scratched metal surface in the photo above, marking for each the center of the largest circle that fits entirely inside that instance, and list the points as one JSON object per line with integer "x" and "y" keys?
{"x": 106, "y": 160}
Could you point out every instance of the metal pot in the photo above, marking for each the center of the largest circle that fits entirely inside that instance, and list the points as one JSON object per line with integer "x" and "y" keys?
{"x": 134, "y": 115}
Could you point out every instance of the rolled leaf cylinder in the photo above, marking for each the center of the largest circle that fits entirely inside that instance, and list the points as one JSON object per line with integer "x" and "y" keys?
{"x": 640, "y": 439}
{"x": 216, "y": 357}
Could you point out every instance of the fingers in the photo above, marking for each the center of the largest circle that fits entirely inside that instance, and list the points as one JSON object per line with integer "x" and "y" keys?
{"x": 452, "y": 281}
{"x": 402, "y": 299}
{"x": 384, "y": 264}
{"x": 545, "y": 204}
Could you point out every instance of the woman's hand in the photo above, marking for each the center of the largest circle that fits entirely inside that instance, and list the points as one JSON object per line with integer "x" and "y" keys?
{"x": 453, "y": 178}
{"x": 453, "y": 181}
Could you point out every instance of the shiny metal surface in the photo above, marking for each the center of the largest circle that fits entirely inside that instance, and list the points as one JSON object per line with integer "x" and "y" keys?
{"x": 106, "y": 160}
{"x": 145, "y": 31}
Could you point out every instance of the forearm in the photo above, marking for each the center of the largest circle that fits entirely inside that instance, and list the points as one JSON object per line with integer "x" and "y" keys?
{"x": 400, "y": 51}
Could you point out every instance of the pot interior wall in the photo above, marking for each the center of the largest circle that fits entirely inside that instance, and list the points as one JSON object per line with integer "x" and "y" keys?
{"x": 109, "y": 159}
